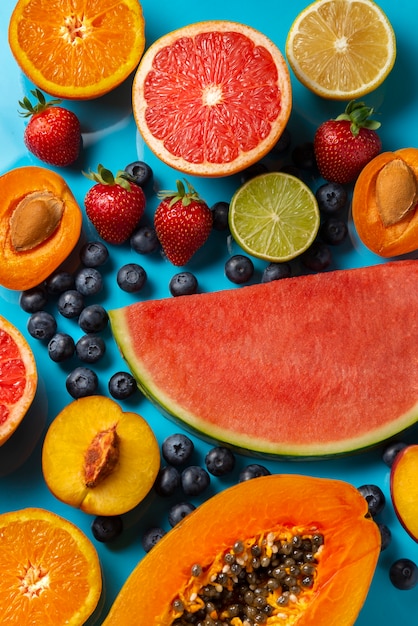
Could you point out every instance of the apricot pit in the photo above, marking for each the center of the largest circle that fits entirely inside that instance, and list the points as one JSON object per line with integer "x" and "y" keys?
{"x": 98, "y": 458}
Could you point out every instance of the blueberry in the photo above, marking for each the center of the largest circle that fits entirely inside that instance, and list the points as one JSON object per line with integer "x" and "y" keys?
{"x": 220, "y": 461}
{"x": 276, "y": 271}
{"x": 122, "y": 385}
{"x": 151, "y": 537}
{"x": 61, "y": 347}
{"x": 167, "y": 481}
{"x": 290, "y": 168}
{"x": 317, "y": 258}
{"x": 386, "y": 536}
{"x": 42, "y": 325}
{"x": 140, "y": 173}
{"x": 70, "y": 303}
{"x": 194, "y": 480}
{"x": 403, "y": 574}
{"x": 82, "y": 382}
{"x": 93, "y": 318}
{"x": 220, "y": 214}
{"x": 144, "y": 240}
{"x": 239, "y": 269}
{"x": 94, "y": 254}
{"x": 177, "y": 449}
{"x": 33, "y": 300}
{"x": 331, "y": 197}
{"x": 283, "y": 143}
{"x": 88, "y": 281}
{"x": 391, "y": 451}
{"x": 303, "y": 156}
{"x": 90, "y": 348}
{"x": 106, "y": 528}
{"x": 183, "y": 284}
{"x": 375, "y": 498}
{"x": 334, "y": 231}
{"x": 59, "y": 282}
{"x": 253, "y": 471}
{"x": 131, "y": 277}
{"x": 179, "y": 511}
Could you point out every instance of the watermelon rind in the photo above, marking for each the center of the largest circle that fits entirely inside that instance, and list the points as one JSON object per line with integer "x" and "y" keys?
{"x": 354, "y": 380}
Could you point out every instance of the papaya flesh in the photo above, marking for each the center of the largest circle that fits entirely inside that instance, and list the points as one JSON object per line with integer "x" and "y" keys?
{"x": 310, "y": 366}
{"x": 252, "y": 512}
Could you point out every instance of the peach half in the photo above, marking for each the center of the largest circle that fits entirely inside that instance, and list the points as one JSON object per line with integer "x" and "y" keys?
{"x": 98, "y": 458}
{"x": 404, "y": 489}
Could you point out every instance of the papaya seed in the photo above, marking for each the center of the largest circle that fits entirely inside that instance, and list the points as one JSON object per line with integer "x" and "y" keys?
{"x": 101, "y": 456}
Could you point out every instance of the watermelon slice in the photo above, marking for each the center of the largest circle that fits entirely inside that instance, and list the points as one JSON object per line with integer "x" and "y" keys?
{"x": 309, "y": 366}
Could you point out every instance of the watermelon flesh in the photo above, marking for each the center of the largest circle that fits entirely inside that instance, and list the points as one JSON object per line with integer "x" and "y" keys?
{"x": 310, "y": 366}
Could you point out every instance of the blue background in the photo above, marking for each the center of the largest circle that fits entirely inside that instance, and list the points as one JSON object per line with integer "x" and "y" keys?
{"x": 110, "y": 137}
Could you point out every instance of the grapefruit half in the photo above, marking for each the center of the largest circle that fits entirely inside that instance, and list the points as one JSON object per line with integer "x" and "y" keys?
{"x": 212, "y": 98}
{"x": 18, "y": 378}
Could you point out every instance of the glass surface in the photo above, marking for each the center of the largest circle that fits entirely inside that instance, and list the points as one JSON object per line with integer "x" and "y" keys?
{"x": 110, "y": 138}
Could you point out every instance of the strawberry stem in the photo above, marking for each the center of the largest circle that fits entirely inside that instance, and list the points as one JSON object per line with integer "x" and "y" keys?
{"x": 358, "y": 114}
{"x": 104, "y": 176}
{"x": 42, "y": 104}
{"x": 185, "y": 194}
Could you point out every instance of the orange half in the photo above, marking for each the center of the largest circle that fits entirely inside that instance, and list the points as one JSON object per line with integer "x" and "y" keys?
{"x": 212, "y": 98}
{"x": 77, "y": 49}
{"x": 50, "y": 570}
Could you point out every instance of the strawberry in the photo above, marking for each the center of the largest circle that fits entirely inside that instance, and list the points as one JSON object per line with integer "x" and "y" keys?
{"x": 183, "y": 222}
{"x": 343, "y": 146}
{"x": 53, "y": 133}
{"x": 114, "y": 205}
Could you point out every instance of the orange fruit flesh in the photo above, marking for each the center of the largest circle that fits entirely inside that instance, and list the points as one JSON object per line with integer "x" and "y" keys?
{"x": 77, "y": 49}
{"x": 212, "y": 98}
{"x": 50, "y": 570}
{"x": 18, "y": 379}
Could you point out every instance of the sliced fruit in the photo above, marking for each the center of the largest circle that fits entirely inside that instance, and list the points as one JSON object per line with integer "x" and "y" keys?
{"x": 341, "y": 49}
{"x": 18, "y": 378}
{"x": 98, "y": 458}
{"x": 40, "y": 225}
{"x": 397, "y": 202}
{"x": 404, "y": 488}
{"x": 274, "y": 216}
{"x": 296, "y": 367}
{"x": 77, "y": 50}
{"x": 212, "y": 98}
{"x": 50, "y": 570}
{"x": 330, "y": 516}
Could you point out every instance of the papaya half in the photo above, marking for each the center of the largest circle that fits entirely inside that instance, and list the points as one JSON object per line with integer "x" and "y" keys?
{"x": 40, "y": 225}
{"x": 385, "y": 203}
{"x": 307, "y": 544}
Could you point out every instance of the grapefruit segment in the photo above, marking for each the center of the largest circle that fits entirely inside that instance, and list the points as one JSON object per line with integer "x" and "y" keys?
{"x": 18, "y": 378}
{"x": 309, "y": 366}
{"x": 212, "y": 98}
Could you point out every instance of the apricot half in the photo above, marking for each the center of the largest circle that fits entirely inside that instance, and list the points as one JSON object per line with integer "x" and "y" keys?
{"x": 98, "y": 458}
{"x": 385, "y": 203}
{"x": 40, "y": 225}
{"x": 404, "y": 489}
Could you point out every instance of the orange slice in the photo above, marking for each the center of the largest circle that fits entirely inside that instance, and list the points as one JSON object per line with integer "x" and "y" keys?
{"x": 76, "y": 49}
{"x": 341, "y": 49}
{"x": 50, "y": 570}
{"x": 212, "y": 98}
{"x": 18, "y": 378}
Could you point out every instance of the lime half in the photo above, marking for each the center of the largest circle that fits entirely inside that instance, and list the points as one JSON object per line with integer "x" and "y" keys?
{"x": 274, "y": 216}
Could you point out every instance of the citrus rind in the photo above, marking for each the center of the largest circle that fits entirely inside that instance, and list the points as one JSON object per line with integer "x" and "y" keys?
{"x": 315, "y": 48}
{"x": 193, "y": 110}
{"x": 274, "y": 217}
{"x": 102, "y": 42}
